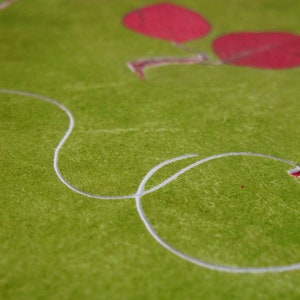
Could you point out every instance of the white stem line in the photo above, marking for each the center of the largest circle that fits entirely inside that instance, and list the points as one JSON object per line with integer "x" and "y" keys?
{"x": 141, "y": 190}
{"x": 194, "y": 260}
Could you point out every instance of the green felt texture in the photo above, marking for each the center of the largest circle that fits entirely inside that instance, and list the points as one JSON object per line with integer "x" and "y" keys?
{"x": 244, "y": 211}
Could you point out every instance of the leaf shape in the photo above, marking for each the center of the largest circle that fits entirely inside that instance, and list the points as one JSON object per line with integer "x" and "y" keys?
{"x": 168, "y": 22}
{"x": 267, "y": 50}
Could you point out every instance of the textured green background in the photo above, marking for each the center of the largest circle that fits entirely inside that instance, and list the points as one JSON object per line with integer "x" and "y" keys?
{"x": 55, "y": 244}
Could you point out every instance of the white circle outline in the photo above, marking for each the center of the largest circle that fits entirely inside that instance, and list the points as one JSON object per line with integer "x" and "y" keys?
{"x": 224, "y": 268}
{"x": 141, "y": 190}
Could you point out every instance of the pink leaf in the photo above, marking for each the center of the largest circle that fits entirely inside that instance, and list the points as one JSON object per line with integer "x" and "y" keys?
{"x": 267, "y": 50}
{"x": 168, "y": 22}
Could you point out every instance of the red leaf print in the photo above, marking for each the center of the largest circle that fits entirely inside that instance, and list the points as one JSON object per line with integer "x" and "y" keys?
{"x": 168, "y": 22}
{"x": 267, "y": 50}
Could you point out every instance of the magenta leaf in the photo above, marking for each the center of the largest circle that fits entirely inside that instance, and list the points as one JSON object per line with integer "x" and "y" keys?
{"x": 168, "y": 22}
{"x": 267, "y": 50}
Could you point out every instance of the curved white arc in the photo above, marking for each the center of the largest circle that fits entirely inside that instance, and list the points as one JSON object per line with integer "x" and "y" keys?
{"x": 65, "y": 138}
{"x": 196, "y": 261}
{"x": 197, "y": 163}
{"x": 170, "y": 179}
{"x": 61, "y": 144}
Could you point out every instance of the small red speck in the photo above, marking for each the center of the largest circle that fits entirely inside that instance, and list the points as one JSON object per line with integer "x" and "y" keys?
{"x": 242, "y": 186}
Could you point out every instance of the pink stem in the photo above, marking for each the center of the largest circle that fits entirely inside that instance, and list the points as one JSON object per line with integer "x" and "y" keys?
{"x": 139, "y": 66}
{"x": 7, "y": 3}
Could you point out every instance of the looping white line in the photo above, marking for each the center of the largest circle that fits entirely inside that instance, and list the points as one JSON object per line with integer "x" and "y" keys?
{"x": 194, "y": 260}
{"x": 142, "y": 192}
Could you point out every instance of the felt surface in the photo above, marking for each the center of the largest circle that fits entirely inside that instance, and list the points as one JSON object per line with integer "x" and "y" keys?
{"x": 56, "y": 244}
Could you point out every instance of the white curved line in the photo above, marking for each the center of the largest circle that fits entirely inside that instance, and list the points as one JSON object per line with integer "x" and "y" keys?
{"x": 65, "y": 138}
{"x": 141, "y": 190}
{"x": 232, "y": 269}
{"x": 62, "y": 142}
{"x": 191, "y": 166}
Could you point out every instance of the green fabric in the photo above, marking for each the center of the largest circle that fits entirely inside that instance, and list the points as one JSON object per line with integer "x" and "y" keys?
{"x": 56, "y": 244}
